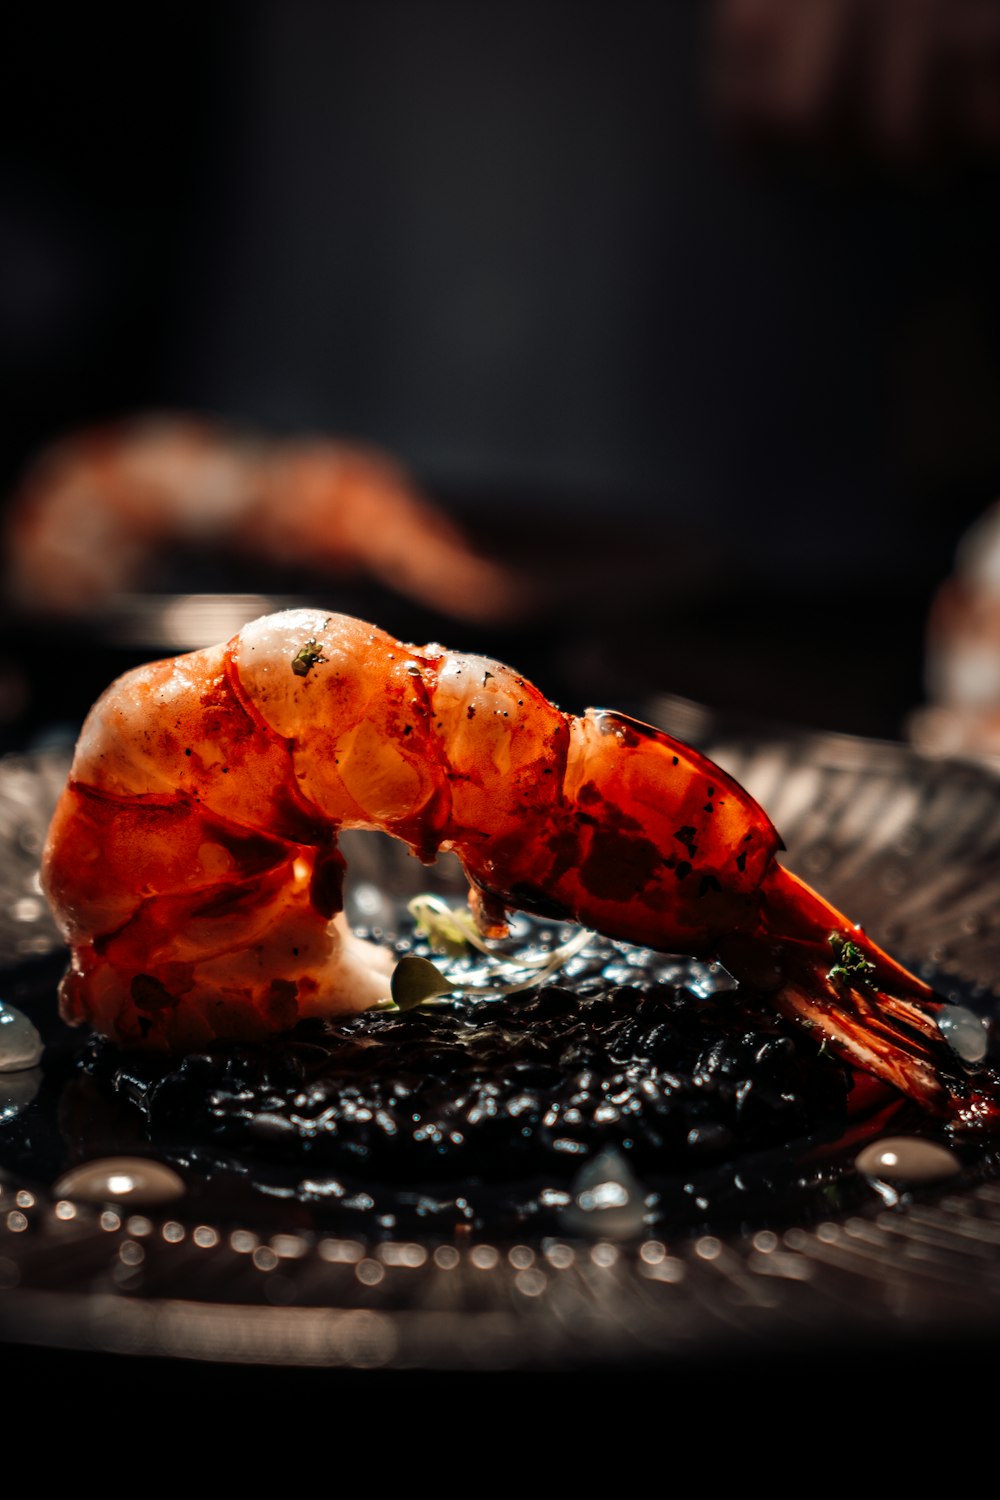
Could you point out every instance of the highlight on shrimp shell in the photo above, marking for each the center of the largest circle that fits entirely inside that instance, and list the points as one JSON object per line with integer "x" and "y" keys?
{"x": 193, "y": 867}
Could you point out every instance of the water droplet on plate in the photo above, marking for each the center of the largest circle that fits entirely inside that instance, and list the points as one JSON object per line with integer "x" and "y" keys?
{"x": 17, "y": 1091}
{"x": 20, "y": 1044}
{"x": 964, "y": 1032}
{"x": 907, "y": 1158}
{"x": 608, "y": 1200}
{"x": 134, "y": 1179}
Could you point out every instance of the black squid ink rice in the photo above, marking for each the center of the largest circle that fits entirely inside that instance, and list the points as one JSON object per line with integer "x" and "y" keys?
{"x": 486, "y": 1111}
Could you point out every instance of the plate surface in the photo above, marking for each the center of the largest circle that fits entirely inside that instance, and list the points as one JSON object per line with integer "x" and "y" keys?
{"x": 909, "y": 846}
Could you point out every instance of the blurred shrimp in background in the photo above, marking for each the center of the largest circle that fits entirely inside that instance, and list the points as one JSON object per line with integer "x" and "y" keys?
{"x": 683, "y": 319}
{"x": 98, "y": 513}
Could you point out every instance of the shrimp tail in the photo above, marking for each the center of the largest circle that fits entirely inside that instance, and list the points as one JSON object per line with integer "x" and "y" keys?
{"x": 831, "y": 979}
{"x": 681, "y": 858}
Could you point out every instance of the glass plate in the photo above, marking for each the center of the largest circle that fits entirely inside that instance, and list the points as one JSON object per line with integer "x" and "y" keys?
{"x": 910, "y": 846}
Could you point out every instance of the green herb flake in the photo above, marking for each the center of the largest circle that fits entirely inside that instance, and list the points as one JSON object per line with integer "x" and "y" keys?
{"x": 852, "y": 967}
{"x": 304, "y": 661}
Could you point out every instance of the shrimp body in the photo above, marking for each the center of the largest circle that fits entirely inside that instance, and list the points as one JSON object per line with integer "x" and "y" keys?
{"x": 193, "y": 863}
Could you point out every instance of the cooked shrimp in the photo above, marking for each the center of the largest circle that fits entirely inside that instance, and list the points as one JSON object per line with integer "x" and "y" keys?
{"x": 95, "y": 511}
{"x": 193, "y": 862}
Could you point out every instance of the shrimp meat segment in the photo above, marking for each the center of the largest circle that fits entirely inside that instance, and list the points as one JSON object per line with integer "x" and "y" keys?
{"x": 193, "y": 865}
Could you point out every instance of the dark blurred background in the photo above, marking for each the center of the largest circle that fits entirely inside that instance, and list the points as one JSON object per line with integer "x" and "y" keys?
{"x": 690, "y": 309}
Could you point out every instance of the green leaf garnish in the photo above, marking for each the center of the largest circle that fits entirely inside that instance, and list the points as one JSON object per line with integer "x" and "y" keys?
{"x": 415, "y": 980}
{"x": 851, "y": 967}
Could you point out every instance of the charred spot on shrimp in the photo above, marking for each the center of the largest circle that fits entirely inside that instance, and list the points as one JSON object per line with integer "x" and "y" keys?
{"x": 151, "y": 995}
{"x": 282, "y": 1004}
{"x": 619, "y": 864}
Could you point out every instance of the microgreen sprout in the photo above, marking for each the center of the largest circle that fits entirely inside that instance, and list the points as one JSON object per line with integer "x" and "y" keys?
{"x": 416, "y": 981}
{"x": 450, "y": 930}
